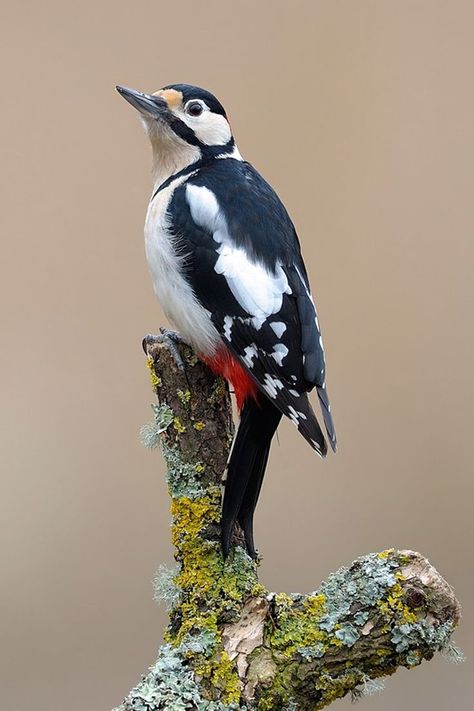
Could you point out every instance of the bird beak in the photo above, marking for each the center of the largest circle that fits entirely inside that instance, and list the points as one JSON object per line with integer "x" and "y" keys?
{"x": 154, "y": 106}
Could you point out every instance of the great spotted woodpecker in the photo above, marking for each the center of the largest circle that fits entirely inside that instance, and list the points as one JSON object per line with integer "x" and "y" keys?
{"x": 227, "y": 269}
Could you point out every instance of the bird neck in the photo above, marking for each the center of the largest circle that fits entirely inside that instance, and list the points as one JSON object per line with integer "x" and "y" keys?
{"x": 167, "y": 162}
{"x": 170, "y": 159}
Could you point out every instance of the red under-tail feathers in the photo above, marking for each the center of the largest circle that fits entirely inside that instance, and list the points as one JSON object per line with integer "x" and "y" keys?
{"x": 223, "y": 363}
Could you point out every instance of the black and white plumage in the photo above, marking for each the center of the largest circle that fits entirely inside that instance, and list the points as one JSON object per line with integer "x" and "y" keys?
{"x": 227, "y": 268}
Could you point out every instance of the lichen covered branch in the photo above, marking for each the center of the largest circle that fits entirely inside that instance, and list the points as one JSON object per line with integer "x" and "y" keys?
{"x": 230, "y": 644}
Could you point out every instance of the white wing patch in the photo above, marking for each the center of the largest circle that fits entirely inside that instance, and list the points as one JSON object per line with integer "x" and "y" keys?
{"x": 228, "y": 323}
{"x": 257, "y": 290}
{"x": 203, "y": 206}
{"x": 278, "y": 328}
{"x": 271, "y": 385}
{"x": 250, "y": 353}
{"x": 280, "y": 351}
{"x": 295, "y": 416}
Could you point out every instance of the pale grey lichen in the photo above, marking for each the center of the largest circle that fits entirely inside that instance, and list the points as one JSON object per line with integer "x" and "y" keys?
{"x": 348, "y": 634}
{"x": 367, "y": 687}
{"x": 168, "y": 685}
{"x": 171, "y": 684}
{"x": 404, "y": 636}
{"x": 360, "y": 618}
{"x": 375, "y": 576}
{"x": 452, "y": 653}
{"x": 164, "y": 586}
{"x": 183, "y": 479}
{"x": 240, "y": 565}
{"x": 409, "y": 635}
{"x": 202, "y": 643}
{"x": 151, "y": 431}
{"x": 309, "y": 654}
{"x": 413, "y": 658}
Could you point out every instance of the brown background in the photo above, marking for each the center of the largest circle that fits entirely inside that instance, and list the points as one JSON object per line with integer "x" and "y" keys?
{"x": 361, "y": 115}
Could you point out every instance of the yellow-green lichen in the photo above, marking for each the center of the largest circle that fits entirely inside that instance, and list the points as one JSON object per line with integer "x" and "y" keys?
{"x": 307, "y": 628}
{"x": 178, "y": 425}
{"x": 219, "y": 392}
{"x": 184, "y": 396}
{"x": 393, "y": 606}
{"x": 298, "y": 628}
{"x": 335, "y": 687}
{"x": 191, "y": 358}
{"x": 282, "y": 600}
{"x": 258, "y": 590}
{"x": 190, "y": 517}
{"x": 211, "y": 590}
{"x": 383, "y": 555}
{"x": 268, "y": 700}
{"x": 221, "y": 674}
{"x": 315, "y": 605}
{"x": 154, "y": 378}
{"x": 199, "y": 426}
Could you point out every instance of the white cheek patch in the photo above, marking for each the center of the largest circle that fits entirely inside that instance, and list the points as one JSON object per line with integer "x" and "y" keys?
{"x": 211, "y": 129}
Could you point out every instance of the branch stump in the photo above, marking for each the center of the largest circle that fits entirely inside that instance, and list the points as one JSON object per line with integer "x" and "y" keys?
{"x": 230, "y": 643}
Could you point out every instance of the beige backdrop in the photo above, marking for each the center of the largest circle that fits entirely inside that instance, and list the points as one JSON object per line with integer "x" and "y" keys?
{"x": 361, "y": 115}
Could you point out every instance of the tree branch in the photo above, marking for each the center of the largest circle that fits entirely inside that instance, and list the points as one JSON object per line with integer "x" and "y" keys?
{"x": 230, "y": 643}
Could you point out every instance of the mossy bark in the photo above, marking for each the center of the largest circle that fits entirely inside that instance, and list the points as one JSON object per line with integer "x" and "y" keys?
{"x": 230, "y": 643}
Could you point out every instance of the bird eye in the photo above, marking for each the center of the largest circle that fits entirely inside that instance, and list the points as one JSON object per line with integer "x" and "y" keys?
{"x": 194, "y": 108}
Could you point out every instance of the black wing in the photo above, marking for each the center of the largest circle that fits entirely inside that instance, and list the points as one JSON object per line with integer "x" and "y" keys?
{"x": 243, "y": 260}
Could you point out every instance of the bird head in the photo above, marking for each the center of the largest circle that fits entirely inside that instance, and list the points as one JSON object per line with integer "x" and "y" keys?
{"x": 184, "y": 123}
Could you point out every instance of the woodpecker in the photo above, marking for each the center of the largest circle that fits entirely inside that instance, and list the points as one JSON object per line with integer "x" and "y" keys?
{"x": 226, "y": 266}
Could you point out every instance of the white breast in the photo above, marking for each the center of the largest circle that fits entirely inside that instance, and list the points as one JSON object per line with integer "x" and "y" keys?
{"x": 172, "y": 290}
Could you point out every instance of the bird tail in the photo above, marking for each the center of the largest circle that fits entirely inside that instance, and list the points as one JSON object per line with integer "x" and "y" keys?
{"x": 327, "y": 417}
{"x": 246, "y": 469}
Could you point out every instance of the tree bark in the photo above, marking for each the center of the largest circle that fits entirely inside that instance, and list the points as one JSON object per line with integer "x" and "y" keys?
{"x": 231, "y": 644}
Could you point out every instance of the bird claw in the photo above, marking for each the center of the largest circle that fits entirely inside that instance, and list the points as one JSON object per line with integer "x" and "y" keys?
{"x": 170, "y": 339}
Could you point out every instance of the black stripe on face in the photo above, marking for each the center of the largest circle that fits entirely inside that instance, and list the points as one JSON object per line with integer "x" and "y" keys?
{"x": 182, "y": 130}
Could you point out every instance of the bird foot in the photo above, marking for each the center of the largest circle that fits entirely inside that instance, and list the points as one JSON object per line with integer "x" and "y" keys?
{"x": 170, "y": 339}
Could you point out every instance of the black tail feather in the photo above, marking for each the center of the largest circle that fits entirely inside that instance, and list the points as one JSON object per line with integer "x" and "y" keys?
{"x": 328, "y": 421}
{"x": 246, "y": 469}
{"x": 252, "y": 492}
